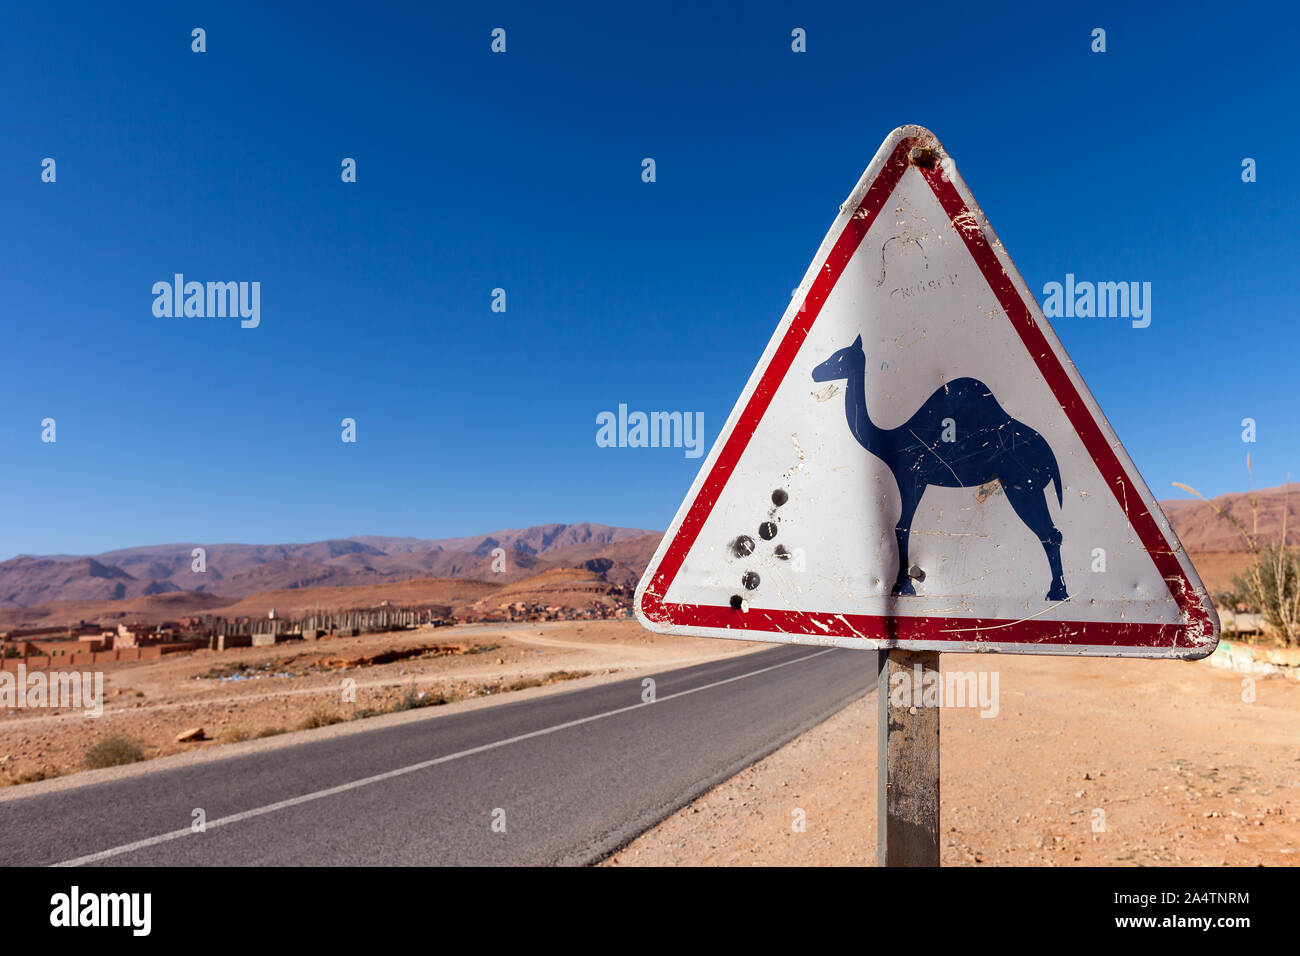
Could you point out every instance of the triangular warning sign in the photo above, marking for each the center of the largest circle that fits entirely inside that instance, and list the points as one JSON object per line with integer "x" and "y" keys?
{"x": 916, "y": 463}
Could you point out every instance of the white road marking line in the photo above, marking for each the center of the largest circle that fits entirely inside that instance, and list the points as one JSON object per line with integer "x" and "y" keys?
{"x": 400, "y": 771}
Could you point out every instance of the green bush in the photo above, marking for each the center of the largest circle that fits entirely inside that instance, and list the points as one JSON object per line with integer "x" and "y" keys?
{"x": 319, "y": 718}
{"x": 415, "y": 699}
{"x": 1271, "y": 587}
{"x": 113, "y": 752}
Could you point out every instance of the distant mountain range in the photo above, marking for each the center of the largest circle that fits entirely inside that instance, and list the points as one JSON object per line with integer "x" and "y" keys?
{"x": 236, "y": 571}
{"x": 240, "y": 570}
{"x": 1201, "y": 529}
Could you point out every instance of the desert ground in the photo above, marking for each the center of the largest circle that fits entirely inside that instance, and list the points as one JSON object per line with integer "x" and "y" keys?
{"x": 257, "y": 692}
{"x": 1183, "y": 770}
{"x": 1087, "y": 762}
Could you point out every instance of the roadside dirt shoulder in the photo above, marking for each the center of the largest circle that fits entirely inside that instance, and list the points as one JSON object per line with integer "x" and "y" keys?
{"x": 1087, "y": 763}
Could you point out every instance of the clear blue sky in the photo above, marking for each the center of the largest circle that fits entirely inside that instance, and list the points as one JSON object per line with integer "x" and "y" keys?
{"x": 523, "y": 171}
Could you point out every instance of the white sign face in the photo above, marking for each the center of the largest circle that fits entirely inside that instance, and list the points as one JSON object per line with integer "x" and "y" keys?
{"x": 916, "y": 463}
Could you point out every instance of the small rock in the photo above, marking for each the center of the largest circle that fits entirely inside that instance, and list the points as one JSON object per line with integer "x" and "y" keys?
{"x": 188, "y": 736}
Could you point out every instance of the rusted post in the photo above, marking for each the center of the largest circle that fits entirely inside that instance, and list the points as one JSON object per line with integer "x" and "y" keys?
{"x": 907, "y": 757}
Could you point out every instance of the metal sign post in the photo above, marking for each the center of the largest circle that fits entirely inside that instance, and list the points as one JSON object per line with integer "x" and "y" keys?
{"x": 907, "y": 761}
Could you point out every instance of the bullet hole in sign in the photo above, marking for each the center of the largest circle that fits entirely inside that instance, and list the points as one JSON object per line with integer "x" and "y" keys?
{"x": 779, "y": 497}
{"x": 750, "y": 580}
{"x": 743, "y": 546}
{"x": 767, "y": 530}
{"x": 737, "y": 602}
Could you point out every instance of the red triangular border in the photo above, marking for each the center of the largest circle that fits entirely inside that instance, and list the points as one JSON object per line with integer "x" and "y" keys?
{"x": 898, "y": 630}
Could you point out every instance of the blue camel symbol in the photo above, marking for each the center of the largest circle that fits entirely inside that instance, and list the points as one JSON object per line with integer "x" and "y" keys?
{"x": 983, "y": 444}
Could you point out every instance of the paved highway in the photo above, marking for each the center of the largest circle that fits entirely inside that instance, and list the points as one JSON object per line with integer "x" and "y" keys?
{"x": 571, "y": 776}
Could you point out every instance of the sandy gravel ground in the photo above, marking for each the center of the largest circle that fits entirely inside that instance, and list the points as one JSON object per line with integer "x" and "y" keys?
{"x": 293, "y": 685}
{"x": 1184, "y": 770}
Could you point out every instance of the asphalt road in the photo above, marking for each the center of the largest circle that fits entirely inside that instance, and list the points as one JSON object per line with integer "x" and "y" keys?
{"x": 572, "y": 776}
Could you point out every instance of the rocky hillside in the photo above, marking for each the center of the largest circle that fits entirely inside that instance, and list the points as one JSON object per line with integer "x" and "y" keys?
{"x": 1261, "y": 512}
{"x": 238, "y": 570}
{"x": 140, "y": 577}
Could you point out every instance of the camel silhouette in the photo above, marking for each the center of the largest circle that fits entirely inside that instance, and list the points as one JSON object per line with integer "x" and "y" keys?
{"x": 959, "y": 438}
